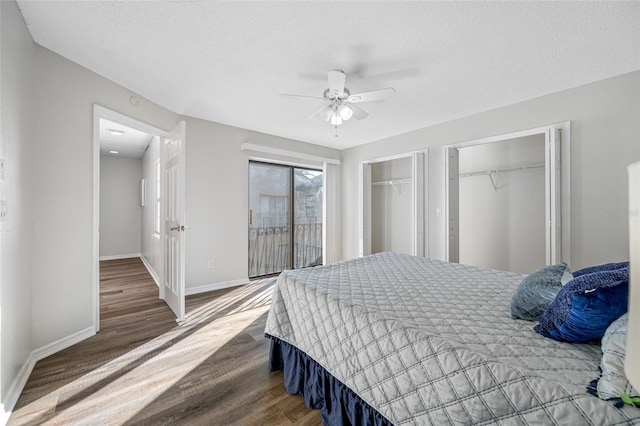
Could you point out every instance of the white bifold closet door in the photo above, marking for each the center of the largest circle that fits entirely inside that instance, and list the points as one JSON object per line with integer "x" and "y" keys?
{"x": 553, "y": 177}
{"x": 418, "y": 203}
{"x": 452, "y": 188}
{"x": 365, "y": 239}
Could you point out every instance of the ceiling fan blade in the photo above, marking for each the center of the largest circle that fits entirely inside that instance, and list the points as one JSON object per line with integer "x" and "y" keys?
{"x": 324, "y": 113}
{"x": 337, "y": 79}
{"x": 358, "y": 113}
{"x": 313, "y": 98}
{"x": 373, "y": 95}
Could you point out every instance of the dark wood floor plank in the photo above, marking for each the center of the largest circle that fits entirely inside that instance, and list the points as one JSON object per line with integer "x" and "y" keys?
{"x": 143, "y": 368}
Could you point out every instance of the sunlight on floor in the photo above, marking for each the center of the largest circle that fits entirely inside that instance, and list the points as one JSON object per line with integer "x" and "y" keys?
{"x": 261, "y": 298}
{"x": 151, "y": 369}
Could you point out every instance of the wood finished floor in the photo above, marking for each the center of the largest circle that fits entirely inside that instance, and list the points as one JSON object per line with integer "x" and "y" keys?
{"x": 143, "y": 368}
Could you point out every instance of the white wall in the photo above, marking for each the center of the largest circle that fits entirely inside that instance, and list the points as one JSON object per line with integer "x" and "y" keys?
{"x": 605, "y": 131}
{"x": 217, "y": 199}
{"x": 150, "y": 240}
{"x": 216, "y": 173}
{"x": 17, "y": 137}
{"x": 63, "y": 183}
{"x": 120, "y": 210}
{"x": 503, "y": 228}
{"x": 391, "y": 207}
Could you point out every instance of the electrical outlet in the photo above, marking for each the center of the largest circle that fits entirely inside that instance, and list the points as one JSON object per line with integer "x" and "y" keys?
{"x": 212, "y": 264}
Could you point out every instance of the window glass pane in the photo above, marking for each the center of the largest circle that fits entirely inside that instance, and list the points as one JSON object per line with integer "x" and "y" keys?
{"x": 269, "y": 234}
{"x": 307, "y": 218}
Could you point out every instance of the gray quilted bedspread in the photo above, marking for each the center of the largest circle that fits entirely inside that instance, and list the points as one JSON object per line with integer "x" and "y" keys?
{"x": 430, "y": 342}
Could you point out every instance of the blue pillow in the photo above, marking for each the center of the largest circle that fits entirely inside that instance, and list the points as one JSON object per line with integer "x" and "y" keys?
{"x": 586, "y": 306}
{"x": 536, "y": 292}
{"x": 598, "y": 268}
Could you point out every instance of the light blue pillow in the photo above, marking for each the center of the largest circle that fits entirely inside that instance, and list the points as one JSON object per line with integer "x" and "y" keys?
{"x": 536, "y": 292}
{"x": 613, "y": 383}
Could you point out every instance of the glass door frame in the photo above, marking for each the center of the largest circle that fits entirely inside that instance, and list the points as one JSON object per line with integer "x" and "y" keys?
{"x": 291, "y": 205}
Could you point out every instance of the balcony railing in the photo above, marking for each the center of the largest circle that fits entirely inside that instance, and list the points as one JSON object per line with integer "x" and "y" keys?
{"x": 269, "y": 247}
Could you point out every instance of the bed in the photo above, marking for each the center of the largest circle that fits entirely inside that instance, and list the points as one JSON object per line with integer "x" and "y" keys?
{"x": 397, "y": 339}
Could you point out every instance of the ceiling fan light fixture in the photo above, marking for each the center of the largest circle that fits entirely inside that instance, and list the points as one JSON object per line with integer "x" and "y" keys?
{"x": 345, "y": 112}
{"x": 336, "y": 119}
{"x": 339, "y": 105}
{"x": 326, "y": 113}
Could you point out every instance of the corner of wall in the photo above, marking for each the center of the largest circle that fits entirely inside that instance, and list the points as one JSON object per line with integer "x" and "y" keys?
{"x": 17, "y": 57}
{"x": 20, "y": 380}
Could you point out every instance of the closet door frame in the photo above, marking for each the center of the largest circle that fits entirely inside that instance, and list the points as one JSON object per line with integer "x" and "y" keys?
{"x": 419, "y": 219}
{"x": 557, "y": 190}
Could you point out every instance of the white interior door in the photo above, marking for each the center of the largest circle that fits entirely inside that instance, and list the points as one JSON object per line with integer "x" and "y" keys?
{"x": 173, "y": 194}
{"x": 452, "y": 202}
{"x": 365, "y": 239}
{"x": 418, "y": 203}
{"x": 553, "y": 195}
{"x": 632, "y": 367}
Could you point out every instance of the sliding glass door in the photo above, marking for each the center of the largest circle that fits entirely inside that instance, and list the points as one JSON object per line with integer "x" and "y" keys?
{"x": 285, "y": 218}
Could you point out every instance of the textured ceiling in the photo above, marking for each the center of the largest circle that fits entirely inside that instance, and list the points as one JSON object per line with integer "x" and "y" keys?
{"x": 228, "y": 61}
{"x": 132, "y": 143}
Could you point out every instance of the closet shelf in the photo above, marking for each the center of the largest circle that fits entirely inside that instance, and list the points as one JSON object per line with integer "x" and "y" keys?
{"x": 391, "y": 182}
{"x": 490, "y": 173}
{"x": 511, "y": 169}
{"x": 395, "y": 184}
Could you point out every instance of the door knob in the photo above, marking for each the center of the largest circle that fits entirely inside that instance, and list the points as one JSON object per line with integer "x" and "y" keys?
{"x": 179, "y": 228}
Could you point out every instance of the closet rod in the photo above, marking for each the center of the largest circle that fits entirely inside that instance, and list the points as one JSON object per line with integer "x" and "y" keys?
{"x": 391, "y": 182}
{"x": 490, "y": 172}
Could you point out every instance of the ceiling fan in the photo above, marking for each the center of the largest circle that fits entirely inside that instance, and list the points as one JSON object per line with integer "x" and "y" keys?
{"x": 338, "y": 103}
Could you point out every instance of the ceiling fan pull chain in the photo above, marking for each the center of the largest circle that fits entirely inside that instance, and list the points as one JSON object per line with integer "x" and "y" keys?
{"x": 336, "y": 127}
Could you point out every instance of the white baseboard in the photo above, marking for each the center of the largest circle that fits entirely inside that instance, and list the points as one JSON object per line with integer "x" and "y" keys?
{"x": 17, "y": 385}
{"x": 64, "y": 343}
{"x": 153, "y": 273}
{"x": 121, "y": 256}
{"x": 4, "y": 415}
{"x": 215, "y": 286}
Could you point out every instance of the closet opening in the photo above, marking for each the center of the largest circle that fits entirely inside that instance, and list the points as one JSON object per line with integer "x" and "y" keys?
{"x": 507, "y": 200}
{"x": 393, "y": 204}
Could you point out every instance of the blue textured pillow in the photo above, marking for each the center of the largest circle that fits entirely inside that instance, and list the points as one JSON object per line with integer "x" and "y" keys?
{"x": 586, "y": 306}
{"x": 536, "y": 292}
{"x": 599, "y": 268}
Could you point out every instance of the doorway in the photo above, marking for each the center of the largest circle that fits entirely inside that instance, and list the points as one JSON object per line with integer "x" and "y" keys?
{"x": 123, "y": 150}
{"x": 151, "y": 204}
{"x": 393, "y": 204}
{"x": 285, "y": 218}
{"x": 507, "y": 200}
